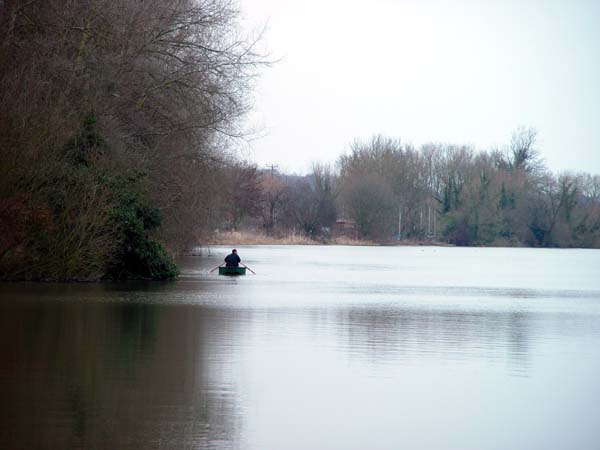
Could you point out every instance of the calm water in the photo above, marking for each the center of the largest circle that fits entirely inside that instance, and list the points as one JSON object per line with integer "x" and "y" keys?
{"x": 326, "y": 348}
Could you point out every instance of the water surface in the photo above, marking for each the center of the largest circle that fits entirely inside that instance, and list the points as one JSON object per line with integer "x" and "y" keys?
{"x": 325, "y": 348}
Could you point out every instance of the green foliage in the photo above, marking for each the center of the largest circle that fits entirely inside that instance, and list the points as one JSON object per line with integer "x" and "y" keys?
{"x": 539, "y": 235}
{"x": 143, "y": 258}
{"x": 459, "y": 231}
{"x": 452, "y": 195}
{"x": 507, "y": 200}
{"x": 86, "y": 221}
{"x": 138, "y": 256}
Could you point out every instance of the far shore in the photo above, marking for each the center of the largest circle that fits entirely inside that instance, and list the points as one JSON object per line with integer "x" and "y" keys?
{"x": 258, "y": 238}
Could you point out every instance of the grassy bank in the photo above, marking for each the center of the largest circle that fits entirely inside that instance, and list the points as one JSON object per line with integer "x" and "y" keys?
{"x": 258, "y": 238}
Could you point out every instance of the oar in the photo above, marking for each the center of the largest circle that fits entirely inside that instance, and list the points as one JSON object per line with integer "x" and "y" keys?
{"x": 216, "y": 268}
{"x": 248, "y": 268}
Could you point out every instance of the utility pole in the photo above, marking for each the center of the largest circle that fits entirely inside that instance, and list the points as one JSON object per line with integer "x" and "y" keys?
{"x": 428, "y": 220}
{"x": 400, "y": 223}
{"x": 272, "y": 200}
{"x": 272, "y": 166}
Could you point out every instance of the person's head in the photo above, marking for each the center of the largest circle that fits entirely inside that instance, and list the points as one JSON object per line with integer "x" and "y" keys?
{"x": 234, "y": 251}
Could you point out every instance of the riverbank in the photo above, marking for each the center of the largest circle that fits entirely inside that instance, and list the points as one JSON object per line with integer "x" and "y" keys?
{"x": 257, "y": 238}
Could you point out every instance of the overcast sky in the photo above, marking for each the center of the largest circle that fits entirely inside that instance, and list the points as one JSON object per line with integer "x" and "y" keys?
{"x": 454, "y": 71}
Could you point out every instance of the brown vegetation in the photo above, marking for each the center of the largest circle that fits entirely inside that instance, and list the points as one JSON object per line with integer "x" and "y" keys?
{"x": 115, "y": 113}
{"x": 248, "y": 237}
{"x": 388, "y": 192}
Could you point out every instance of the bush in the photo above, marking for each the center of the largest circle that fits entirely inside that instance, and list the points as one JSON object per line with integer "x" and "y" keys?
{"x": 137, "y": 255}
{"x": 87, "y": 220}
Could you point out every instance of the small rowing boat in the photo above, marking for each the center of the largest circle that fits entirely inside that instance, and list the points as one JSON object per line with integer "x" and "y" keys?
{"x": 232, "y": 271}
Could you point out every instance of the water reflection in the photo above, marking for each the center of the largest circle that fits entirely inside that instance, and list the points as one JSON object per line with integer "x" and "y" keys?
{"x": 125, "y": 376}
{"x": 387, "y": 335}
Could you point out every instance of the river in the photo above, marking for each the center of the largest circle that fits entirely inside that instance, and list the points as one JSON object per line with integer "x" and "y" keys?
{"x": 325, "y": 347}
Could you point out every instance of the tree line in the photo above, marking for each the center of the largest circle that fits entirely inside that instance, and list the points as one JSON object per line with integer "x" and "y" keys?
{"x": 499, "y": 197}
{"x": 393, "y": 191}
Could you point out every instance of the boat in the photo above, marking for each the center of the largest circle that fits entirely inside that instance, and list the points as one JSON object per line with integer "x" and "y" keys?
{"x": 232, "y": 270}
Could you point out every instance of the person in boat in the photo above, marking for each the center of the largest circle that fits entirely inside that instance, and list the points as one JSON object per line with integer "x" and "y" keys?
{"x": 232, "y": 260}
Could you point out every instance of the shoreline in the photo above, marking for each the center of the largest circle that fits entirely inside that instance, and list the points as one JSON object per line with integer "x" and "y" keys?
{"x": 253, "y": 238}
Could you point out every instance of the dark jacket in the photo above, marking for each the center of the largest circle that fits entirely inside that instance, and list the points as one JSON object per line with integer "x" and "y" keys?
{"x": 232, "y": 260}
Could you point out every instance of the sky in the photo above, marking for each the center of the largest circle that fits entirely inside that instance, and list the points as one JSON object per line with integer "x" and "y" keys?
{"x": 448, "y": 71}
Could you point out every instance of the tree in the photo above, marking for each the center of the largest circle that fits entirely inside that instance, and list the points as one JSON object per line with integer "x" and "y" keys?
{"x": 523, "y": 154}
{"x": 244, "y": 192}
{"x": 301, "y": 206}
{"x": 166, "y": 82}
{"x": 274, "y": 191}
{"x": 326, "y": 192}
{"x": 370, "y": 204}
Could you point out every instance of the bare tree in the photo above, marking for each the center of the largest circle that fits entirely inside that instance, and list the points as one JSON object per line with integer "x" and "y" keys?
{"x": 274, "y": 190}
{"x": 523, "y": 152}
{"x": 166, "y": 83}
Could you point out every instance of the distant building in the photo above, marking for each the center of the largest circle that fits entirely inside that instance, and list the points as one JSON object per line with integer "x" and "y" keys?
{"x": 346, "y": 228}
